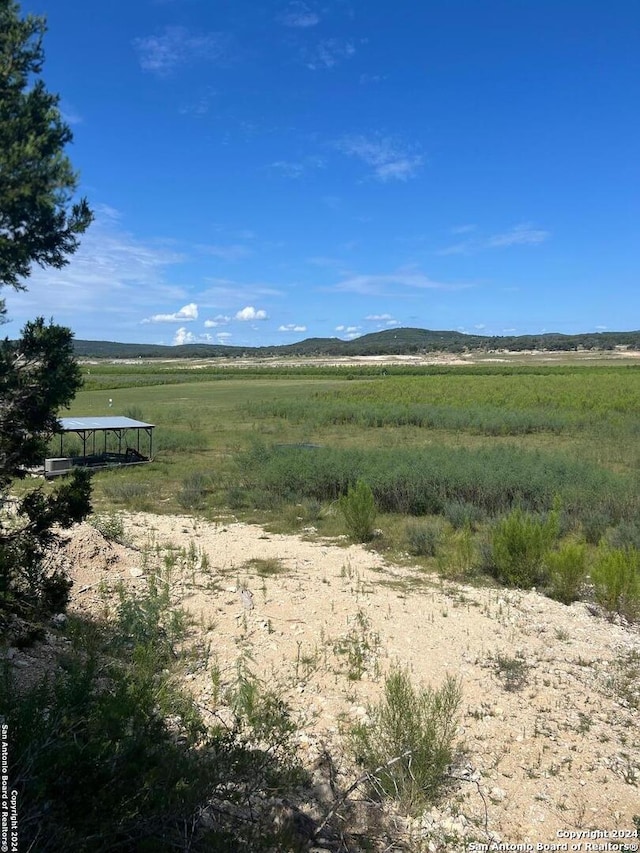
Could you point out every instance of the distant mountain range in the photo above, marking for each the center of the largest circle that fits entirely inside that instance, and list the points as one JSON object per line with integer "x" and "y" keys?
{"x": 388, "y": 342}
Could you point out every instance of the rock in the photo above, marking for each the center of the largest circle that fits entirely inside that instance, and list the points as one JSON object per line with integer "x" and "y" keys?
{"x": 59, "y": 620}
{"x": 497, "y": 795}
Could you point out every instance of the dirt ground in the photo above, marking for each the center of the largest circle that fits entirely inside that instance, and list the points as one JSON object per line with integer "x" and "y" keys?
{"x": 548, "y": 745}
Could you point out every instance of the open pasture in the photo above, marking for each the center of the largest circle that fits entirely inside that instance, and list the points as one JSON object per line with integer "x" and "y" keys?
{"x": 485, "y": 436}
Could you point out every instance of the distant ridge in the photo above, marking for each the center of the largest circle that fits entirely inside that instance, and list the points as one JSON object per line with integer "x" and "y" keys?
{"x": 388, "y": 342}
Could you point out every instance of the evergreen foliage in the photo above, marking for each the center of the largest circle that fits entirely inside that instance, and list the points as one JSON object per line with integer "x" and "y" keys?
{"x": 39, "y": 224}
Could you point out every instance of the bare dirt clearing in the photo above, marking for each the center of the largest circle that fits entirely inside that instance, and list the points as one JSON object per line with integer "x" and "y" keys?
{"x": 549, "y": 726}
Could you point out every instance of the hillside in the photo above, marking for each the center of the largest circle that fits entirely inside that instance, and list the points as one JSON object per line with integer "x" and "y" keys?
{"x": 388, "y": 342}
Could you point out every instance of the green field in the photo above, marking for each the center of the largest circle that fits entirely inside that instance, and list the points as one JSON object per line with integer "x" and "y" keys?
{"x": 493, "y": 437}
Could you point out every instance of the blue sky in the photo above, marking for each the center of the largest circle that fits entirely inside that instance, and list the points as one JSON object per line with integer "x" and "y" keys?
{"x": 266, "y": 171}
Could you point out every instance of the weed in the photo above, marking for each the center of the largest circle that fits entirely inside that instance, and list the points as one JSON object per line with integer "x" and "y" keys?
{"x": 519, "y": 544}
{"x": 359, "y": 647}
{"x": 194, "y": 491}
{"x": 566, "y": 569}
{"x": 423, "y": 538}
{"x": 266, "y": 566}
{"x": 624, "y": 680}
{"x": 512, "y": 671}
{"x": 408, "y": 744}
{"x": 359, "y": 510}
{"x": 616, "y": 579}
{"x": 110, "y": 525}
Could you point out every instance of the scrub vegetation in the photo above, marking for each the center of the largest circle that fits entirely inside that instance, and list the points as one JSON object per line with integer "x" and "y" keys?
{"x": 535, "y": 467}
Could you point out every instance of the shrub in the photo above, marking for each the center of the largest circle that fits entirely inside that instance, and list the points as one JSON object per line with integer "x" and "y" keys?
{"x": 423, "y": 538}
{"x": 567, "y": 569}
{"x": 519, "y": 543}
{"x": 109, "y": 754}
{"x": 121, "y": 491}
{"x": 193, "y": 492}
{"x": 458, "y": 559}
{"x": 616, "y": 580}
{"x": 625, "y": 535}
{"x": 111, "y": 526}
{"x": 359, "y": 510}
{"x": 512, "y": 671}
{"x": 408, "y": 744}
{"x": 595, "y": 522}
{"x": 462, "y": 514}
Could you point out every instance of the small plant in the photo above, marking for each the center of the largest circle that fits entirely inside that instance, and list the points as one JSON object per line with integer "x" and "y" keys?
{"x": 512, "y": 671}
{"x": 625, "y": 679}
{"x": 616, "y": 580}
{"x": 423, "y": 538}
{"x": 567, "y": 569}
{"x": 111, "y": 526}
{"x": 134, "y": 495}
{"x": 409, "y": 743}
{"x": 457, "y": 560}
{"x": 358, "y": 507}
{"x": 266, "y": 566}
{"x": 193, "y": 492}
{"x": 358, "y": 647}
{"x": 519, "y": 544}
{"x": 461, "y": 514}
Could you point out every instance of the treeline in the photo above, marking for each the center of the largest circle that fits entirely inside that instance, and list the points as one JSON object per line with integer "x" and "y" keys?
{"x": 389, "y": 342}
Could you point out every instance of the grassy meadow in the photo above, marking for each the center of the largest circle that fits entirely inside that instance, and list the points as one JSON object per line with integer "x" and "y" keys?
{"x": 447, "y": 451}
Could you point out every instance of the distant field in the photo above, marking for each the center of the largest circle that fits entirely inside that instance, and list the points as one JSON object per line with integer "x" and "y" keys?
{"x": 426, "y": 438}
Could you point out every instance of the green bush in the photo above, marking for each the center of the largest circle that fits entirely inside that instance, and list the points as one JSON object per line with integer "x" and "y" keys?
{"x": 423, "y": 538}
{"x": 519, "y": 543}
{"x": 616, "y": 580}
{"x": 409, "y": 742}
{"x": 462, "y": 514}
{"x": 110, "y": 525}
{"x": 567, "y": 570}
{"x": 194, "y": 490}
{"x": 109, "y": 754}
{"x": 359, "y": 510}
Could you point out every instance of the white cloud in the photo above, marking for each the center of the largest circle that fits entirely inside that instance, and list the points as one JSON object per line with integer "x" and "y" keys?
{"x": 390, "y": 160}
{"x": 292, "y": 327}
{"x": 113, "y": 275}
{"x": 519, "y": 235}
{"x": 182, "y": 336}
{"x": 379, "y": 317}
{"x": 69, "y": 114}
{"x": 218, "y": 320}
{"x": 175, "y": 46}
{"x": 232, "y": 252}
{"x": 377, "y": 284}
{"x": 251, "y": 313}
{"x": 223, "y": 336}
{"x": 187, "y": 312}
{"x": 299, "y": 15}
{"x": 296, "y": 169}
{"x": 328, "y": 53}
{"x": 287, "y": 168}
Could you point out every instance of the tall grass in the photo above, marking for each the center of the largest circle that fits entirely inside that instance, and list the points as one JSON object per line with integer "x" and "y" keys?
{"x": 426, "y": 480}
{"x": 616, "y": 578}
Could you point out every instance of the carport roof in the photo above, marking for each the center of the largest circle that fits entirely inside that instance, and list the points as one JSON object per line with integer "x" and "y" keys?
{"x": 116, "y": 422}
